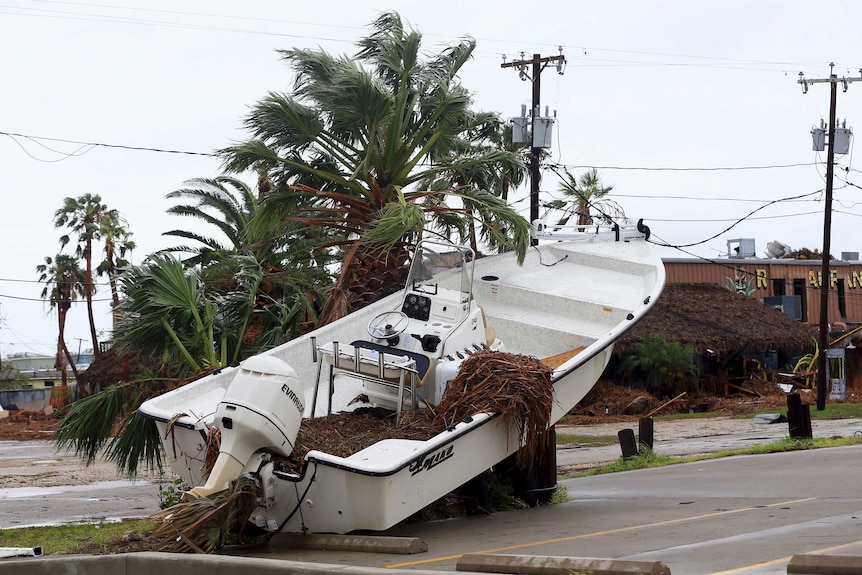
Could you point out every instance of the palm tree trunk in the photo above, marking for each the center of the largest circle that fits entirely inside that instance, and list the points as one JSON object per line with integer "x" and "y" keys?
{"x": 369, "y": 272}
{"x": 472, "y": 223}
{"x": 90, "y": 288}
{"x": 82, "y": 392}
{"x": 61, "y": 342}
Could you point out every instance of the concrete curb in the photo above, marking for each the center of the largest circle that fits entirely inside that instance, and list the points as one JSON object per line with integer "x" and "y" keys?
{"x": 361, "y": 543}
{"x": 826, "y": 564}
{"x": 544, "y": 565}
{"x": 152, "y": 563}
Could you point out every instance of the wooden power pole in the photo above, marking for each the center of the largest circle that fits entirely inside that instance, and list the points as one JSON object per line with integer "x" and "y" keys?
{"x": 537, "y": 63}
{"x": 825, "y": 280}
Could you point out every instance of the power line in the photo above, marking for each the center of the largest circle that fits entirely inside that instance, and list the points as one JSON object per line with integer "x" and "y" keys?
{"x": 686, "y": 169}
{"x": 708, "y": 220}
{"x": 74, "y": 301}
{"x": 739, "y": 221}
{"x": 103, "y": 145}
{"x": 712, "y": 62}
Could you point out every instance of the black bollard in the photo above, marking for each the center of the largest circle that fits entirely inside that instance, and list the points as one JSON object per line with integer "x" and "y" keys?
{"x": 645, "y": 432}
{"x": 805, "y": 417}
{"x": 795, "y": 422}
{"x": 628, "y": 443}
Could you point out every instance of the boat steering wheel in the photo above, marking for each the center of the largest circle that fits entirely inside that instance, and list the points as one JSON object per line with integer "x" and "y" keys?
{"x": 388, "y": 324}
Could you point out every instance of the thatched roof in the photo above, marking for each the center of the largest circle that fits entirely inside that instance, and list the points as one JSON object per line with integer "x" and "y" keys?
{"x": 708, "y": 316}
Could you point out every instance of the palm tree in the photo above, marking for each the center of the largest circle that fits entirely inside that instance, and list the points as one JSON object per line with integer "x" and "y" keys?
{"x": 166, "y": 314}
{"x": 287, "y": 254}
{"x": 583, "y": 197}
{"x": 348, "y": 149}
{"x": 118, "y": 242}
{"x": 169, "y": 317}
{"x": 227, "y": 204}
{"x": 487, "y": 133}
{"x": 64, "y": 283}
{"x": 84, "y": 216}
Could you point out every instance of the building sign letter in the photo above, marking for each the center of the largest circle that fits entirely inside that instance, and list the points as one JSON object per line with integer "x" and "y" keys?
{"x": 815, "y": 278}
{"x": 761, "y": 278}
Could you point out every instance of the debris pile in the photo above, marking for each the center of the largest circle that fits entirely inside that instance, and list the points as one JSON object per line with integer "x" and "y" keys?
{"x": 345, "y": 433}
{"x": 518, "y": 387}
{"x": 204, "y": 525}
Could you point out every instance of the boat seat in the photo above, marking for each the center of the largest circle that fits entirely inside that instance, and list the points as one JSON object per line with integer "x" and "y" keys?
{"x": 396, "y": 360}
{"x": 423, "y": 363}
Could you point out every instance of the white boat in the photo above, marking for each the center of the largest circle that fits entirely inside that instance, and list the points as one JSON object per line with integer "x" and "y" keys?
{"x": 575, "y": 297}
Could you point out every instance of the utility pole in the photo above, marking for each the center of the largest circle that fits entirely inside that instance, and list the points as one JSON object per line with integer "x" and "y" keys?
{"x": 538, "y": 64}
{"x": 825, "y": 281}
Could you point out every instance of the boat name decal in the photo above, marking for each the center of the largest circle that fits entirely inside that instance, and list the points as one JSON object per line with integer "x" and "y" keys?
{"x": 285, "y": 389}
{"x": 433, "y": 460}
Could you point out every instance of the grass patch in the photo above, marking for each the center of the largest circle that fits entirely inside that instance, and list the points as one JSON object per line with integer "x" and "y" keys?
{"x": 561, "y": 495}
{"x": 648, "y": 458}
{"x": 69, "y": 539}
{"x": 574, "y": 440}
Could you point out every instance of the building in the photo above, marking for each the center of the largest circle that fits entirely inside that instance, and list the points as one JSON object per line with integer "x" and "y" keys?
{"x": 792, "y": 285}
{"x": 40, "y": 369}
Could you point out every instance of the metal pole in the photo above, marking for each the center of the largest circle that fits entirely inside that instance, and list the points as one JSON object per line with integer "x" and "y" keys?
{"x": 827, "y": 226}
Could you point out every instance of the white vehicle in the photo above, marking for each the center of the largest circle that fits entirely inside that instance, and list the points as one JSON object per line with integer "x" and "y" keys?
{"x": 571, "y": 297}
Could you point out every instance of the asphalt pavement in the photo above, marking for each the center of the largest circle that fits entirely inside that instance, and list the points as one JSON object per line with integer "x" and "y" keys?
{"x": 747, "y": 514}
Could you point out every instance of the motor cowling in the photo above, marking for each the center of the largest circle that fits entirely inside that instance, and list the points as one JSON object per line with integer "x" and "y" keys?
{"x": 261, "y": 409}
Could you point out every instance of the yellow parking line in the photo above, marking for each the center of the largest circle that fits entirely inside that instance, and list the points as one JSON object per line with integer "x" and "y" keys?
{"x": 599, "y": 533}
{"x": 784, "y": 559}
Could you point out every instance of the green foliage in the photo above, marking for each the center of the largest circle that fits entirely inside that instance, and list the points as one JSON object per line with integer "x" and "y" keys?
{"x": 171, "y": 491}
{"x": 657, "y": 355}
{"x": 364, "y": 143}
{"x": 584, "y": 200}
{"x": 647, "y": 458}
{"x": 561, "y": 495}
{"x": 740, "y": 286}
{"x": 807, "y": 365}
{"x": 89, "y": 425}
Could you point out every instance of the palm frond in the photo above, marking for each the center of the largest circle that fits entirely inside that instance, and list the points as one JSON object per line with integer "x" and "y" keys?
{"x": 88, "y": 424}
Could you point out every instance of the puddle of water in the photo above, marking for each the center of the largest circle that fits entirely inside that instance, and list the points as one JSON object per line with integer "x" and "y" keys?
{"x": 29, "y": 492}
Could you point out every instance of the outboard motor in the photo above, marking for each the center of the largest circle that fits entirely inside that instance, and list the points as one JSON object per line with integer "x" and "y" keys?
{"x": 261, "y": 409}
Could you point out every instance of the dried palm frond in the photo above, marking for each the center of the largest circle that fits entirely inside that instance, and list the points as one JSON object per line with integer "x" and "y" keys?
{"x": 517, "y": 387}
{"x": 203, "y": 525}
{"x": 213, "y": 444}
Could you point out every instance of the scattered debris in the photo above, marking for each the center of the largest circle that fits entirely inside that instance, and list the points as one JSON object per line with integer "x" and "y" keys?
{"x": 205, "y": 524}
{"x": 666, "y": 403}
{"x": 769, "y": 418}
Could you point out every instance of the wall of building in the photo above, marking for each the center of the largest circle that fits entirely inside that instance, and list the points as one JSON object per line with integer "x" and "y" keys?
{"x": 26, "y": 399}
{"x": 775, "y": 277}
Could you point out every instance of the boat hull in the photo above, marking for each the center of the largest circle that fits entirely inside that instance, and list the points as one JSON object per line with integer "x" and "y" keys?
{"x": 572, "y": 299}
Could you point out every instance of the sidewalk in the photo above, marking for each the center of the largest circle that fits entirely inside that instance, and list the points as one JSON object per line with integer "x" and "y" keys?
{"x": 681, "y": 437}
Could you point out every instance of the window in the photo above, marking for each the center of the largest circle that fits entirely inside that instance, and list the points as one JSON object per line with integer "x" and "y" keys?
{"x": 779, "y": 287}
{"x": 842, "y": 299}
{"x": 799, "y": 289}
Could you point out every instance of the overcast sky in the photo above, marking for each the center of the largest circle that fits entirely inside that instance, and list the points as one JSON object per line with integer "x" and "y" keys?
{"x": 691, "y": 110}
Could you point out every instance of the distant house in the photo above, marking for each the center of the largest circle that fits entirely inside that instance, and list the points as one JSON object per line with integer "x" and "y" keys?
{"x": 40, "y": 369}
